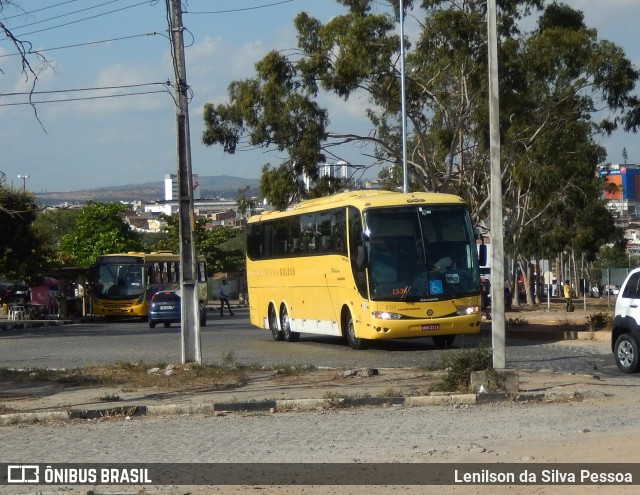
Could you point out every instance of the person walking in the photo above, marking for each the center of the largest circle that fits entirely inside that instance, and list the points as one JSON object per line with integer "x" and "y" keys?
{"x": 224, "y": 298}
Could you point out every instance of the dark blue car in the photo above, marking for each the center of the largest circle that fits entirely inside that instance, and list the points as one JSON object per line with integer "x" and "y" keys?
{"x": 164, "y": 308}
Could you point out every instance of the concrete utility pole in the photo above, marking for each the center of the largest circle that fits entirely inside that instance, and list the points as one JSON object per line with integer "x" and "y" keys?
{"x": 497, "y": 229}
{"x": 190, "y": 315}
{"x": 405, "y": 171}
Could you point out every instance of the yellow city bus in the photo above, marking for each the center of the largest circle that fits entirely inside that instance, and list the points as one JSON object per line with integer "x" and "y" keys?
{"x": 365, "y": 265}
{"x": 122, "y": 284}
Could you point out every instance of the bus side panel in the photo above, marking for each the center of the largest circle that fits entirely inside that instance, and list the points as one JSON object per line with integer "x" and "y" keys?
{"x": 307, "y": 286}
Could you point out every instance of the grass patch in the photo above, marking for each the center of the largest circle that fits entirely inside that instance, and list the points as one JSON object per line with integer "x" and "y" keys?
{"x": 459, "y": 365}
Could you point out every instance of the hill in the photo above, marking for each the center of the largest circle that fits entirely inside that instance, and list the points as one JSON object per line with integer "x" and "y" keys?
{"x": 210, "y": 187}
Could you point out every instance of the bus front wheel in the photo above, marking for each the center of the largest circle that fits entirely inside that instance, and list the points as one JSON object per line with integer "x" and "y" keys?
{"x": 350, "y": 331}
{"x": 273, "y": 325}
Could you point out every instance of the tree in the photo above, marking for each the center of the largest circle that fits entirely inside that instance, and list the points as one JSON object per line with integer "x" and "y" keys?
{"x": 208, "y": 245}
{"x": 22, "y": 254}
{"x": 99, "y": 229}
{"x": 553, "y": 79}
{"x": 51, "y": 226}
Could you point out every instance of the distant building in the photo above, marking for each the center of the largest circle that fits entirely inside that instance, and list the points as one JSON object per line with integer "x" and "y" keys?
{"x": 171, "y": 187}
{"x": 339, "y": 170}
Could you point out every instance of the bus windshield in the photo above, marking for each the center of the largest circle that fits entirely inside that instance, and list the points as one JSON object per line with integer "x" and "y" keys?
{"x": 421, "y": 253}
{"x": 116, "y": 280}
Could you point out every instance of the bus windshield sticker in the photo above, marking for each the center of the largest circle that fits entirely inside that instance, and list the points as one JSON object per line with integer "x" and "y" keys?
{"x": 453, "y": 278}
{"x": 435, "y": 287}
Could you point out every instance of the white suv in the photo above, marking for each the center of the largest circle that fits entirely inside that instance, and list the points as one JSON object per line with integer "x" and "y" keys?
{"x": 625, "y": 335}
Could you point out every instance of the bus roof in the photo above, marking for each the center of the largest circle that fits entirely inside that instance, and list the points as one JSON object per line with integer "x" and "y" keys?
{"x": 361, "y": 199}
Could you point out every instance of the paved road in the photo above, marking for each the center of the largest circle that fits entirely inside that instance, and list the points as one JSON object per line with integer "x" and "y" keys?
{"x": 234, "y": 339}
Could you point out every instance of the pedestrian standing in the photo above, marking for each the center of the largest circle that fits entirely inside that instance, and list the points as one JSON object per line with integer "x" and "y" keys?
{"x": 566, "y": 289}
{"x": 224, "y": 298}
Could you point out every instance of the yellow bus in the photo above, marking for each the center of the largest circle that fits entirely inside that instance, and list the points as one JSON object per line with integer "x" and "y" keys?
{"x": 365, "y": 265}
{"x": 122, "y": 284}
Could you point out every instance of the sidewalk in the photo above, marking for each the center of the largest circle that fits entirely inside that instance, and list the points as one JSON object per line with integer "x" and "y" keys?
{"x": 28, "y": 402}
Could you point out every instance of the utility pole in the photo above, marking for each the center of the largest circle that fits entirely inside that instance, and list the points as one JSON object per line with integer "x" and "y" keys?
{"x": 497, "y": 229}
{"x": 403, "y": 112}
{"x": 190, "y": 314}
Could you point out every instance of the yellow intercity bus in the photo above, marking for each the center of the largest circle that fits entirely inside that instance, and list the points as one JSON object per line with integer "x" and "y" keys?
{"x": 365, "y": 265}
{"x": 122, "y": 284}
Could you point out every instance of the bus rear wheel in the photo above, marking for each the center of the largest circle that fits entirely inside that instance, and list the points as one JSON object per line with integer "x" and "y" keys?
{"x": 350, "y": 331}
{"x": 443, "y": 341}
{"x": 285, "y": 325}
{"x": 273, "y": 325}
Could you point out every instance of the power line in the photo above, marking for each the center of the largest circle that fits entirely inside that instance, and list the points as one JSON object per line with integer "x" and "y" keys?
{"x": 88, "y": 43}
{"x": 85, "y": 98}
{"x": 127, "y": 86}
{"x": 244, "y": 9}
{"x": 61, "y": 15}
{"x": 40, "y": 10}
{"x": 81, "y": 20}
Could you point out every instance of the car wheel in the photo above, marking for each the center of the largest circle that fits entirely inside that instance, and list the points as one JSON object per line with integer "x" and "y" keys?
{"x": 273, "y": 325}
{"x": 626, "y": 351}
{"x": 167, "y": 325}
{"x": 152, "y": 324}
{"x": 350, "y": 330}
{"x": 285, "y": 324}
{"x": 443, "y": 341}
{"x": 203, "y": 319}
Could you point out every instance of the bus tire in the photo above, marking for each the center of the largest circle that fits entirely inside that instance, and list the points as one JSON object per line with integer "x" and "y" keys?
{"x": 273, "y": 325}
{"x": 443, "y": 341}
{"x": 349, "y": 330}
{"x": 285, "y": 325}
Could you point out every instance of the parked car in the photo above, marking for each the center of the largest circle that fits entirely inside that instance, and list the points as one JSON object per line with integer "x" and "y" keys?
{"x": 164, "y": 308}
{"x": 625, "y": 335}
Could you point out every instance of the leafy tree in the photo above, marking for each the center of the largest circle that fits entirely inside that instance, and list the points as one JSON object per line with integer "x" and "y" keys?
{"x": 208, "y": 244}
{"x": 99, "y": 229}
{"x": 22, "y": 254}
{"x": 553, "y": 78}
{"x": 51, "y": 225}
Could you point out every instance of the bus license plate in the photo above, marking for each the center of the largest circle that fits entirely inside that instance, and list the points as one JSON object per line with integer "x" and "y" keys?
{"x": 433, "y": 326}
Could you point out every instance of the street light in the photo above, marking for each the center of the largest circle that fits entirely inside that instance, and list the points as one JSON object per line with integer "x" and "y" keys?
{"x": 24, "y": 181}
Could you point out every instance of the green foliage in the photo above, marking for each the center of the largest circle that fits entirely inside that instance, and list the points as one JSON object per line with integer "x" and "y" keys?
{"x": 22, "y": 253}
{"x": 552, "y": 79}
{"x": 51, "y": 226}
{"x": 99, "y": 230}
{"x": 459, "y": 366}
{"x": 209, "y": 244}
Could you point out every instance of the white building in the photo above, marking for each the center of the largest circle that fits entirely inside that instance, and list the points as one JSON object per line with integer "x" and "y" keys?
{"x": 171, "y": 187}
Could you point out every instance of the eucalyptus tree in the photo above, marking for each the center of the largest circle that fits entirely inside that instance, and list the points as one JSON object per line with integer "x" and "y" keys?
{"x": 553, "y": 80}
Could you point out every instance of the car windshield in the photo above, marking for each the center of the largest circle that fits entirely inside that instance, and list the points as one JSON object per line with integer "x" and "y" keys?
{"x": 421, "y": 253}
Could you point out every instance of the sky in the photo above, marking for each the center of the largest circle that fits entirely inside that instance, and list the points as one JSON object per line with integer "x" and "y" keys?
{"x": 99, "y": 142}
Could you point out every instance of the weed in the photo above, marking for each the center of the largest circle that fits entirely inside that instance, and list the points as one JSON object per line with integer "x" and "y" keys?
{"x": 460, "y": 364}
{"x": 598, "y": 320}
{"x": 390, "y": 392}
{"x": 109, "y": 398}
{"x": 517, "y": 321}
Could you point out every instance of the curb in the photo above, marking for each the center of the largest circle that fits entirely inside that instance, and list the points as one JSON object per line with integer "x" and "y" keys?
{"x": 24, "y": 324}
{"x": 281, "y": 405}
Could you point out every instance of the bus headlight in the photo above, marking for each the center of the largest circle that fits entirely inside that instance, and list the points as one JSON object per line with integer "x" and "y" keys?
{"x": 385, "y": 315}
{"x": 467, "y": 310}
